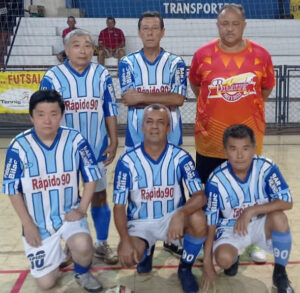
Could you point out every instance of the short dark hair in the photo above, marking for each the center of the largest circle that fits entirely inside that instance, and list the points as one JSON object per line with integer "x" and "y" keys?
{"x": 157, "y": 107}
{"x": 238, "y": 131}
{"x": 71, "y": 16}
{"x": 238, "y": 7}
{"x": 46, "y": 96}
{"x": 111, "y": 18}
{"x": 151, "y": 14}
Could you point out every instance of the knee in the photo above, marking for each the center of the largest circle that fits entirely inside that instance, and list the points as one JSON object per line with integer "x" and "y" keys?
{"x": 81, "y": 246}
{"x": 197, "y": 222}
{"x": 278, "y": 221}
{"x": 224, "y": 259}
{"x": 46, "y": 283}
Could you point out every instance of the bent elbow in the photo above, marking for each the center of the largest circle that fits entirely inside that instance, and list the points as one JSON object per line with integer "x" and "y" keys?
{"x": 180, "y": 100}
{"x": 290, "y": 206}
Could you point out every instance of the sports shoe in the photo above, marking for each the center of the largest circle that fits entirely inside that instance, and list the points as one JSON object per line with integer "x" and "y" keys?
{"x": 257, "y": 255}
{"x": 88, "y": 282}
{"x": 103, "y": 250}
{"x": 173, "y": 249}
{"x": 187, "y": 279}
{"x": 145, "y": 265}
{"x": 232, "y": 271}
{"x": 280, "y": 280}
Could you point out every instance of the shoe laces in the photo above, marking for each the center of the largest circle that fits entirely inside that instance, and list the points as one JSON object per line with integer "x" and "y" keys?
{"x": 106, "y": 248}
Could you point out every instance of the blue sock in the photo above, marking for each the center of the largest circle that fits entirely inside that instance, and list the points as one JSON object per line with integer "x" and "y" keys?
{"x": 101, "y": 218}
{"x": 282, "y": 243}
{"x": 78, "y": 269}
{"x": 191, "y": 248}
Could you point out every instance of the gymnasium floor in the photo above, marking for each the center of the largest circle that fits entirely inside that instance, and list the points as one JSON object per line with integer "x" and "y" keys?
{"x": 14, "y": 276}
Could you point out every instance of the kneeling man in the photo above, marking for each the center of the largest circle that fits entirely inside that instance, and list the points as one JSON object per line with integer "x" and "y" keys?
{"x": 247, "y": 197}
{"x": 149, "y": 180}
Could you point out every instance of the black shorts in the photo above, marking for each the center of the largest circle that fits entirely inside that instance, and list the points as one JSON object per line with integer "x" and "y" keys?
{"x": 205, "y": 165}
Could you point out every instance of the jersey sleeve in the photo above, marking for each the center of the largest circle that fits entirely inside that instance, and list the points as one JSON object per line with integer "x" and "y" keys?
{"x": 110, "y": 106}
{"x": 212, "y": 210}
{"x": 268, "y": 79}
{"x": 12, "y": 172}
{"x": 87, "y": 162}
{"x": 193, "y": 76}
{"x": 126, "y": 76}
{"x": 121, "y": 183}
{"x": 179, "y": 79}
{"x": 46, "y": 83}
{"x": 190, "y": 174}
{"x": 276, "y": 186}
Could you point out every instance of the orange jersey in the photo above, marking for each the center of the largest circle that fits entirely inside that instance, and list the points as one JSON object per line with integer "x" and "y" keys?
{"x": 230, "y": 93}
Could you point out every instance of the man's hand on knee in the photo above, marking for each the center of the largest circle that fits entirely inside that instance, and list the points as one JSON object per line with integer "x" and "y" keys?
{"x": 128, "y": 255}
{"x": 176, "y": 227}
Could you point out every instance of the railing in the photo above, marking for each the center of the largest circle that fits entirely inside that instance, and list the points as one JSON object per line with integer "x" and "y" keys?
{"x": 9, "y": 13}
{"x": 12, "y": 43}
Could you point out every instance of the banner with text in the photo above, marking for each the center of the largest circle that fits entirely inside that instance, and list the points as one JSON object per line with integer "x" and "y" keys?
{"x": 181, "y": 8}
{"x": 16, "y": 89}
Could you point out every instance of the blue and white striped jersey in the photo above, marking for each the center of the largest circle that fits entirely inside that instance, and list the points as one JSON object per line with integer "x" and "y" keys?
{"x": 228, "y": 196}
{"x": 48, "y": 177}
{"x": 89, "y": 98}
{"x": 166, "y": 74}
{"x": 154, "y": 188}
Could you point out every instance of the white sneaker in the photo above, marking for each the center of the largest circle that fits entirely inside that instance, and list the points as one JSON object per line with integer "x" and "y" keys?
{"x": 88, "y": 282}
{"x": 256, "y": 254}
{"x": 103, "y": 250}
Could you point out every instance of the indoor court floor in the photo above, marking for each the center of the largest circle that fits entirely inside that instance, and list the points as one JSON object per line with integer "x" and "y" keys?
{"x": 15, "y": 277}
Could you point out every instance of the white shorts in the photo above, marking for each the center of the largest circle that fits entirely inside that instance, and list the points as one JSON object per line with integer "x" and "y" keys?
{"x": 256, "y": 235}
{"x": 151, "y": 230}
{"x": 101, "y": 183}
{"x": 47, "y": 257}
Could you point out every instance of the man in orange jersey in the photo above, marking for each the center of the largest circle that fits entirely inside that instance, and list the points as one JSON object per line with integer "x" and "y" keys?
{"x": 231, "y": 77}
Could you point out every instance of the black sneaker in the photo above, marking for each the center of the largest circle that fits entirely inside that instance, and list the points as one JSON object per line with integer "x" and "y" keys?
{"x": 232, "y": 271}
{"x": 280, "y": 280}
{"x": 187, "y": 279}
{"x": 173, "y": 249}
{"x": 145, "y": 266}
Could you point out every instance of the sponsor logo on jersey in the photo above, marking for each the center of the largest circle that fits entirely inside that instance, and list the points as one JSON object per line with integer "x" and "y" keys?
{"x": 126, "y": 79}
{"x": 50, "y": 181}
{"x": 86, "y": 156}
{"x": 234, "y": 88}
{"x": 212, "y": 202}
{"x": 153, "y": 89}
{"x": 275, "y": 183}
{"x": 11, "y": 169}
{"x": 179, "y": 76}
{"x": 121, "y": 181}
{"x": 81, "y": 105}
{"x": 157, "y": 193}
{"x": 190, "y": 170}
{"x": 237, "y": 211}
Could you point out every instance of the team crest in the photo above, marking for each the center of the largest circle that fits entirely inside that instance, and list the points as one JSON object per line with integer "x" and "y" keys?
{"x": 234, "y": 88}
